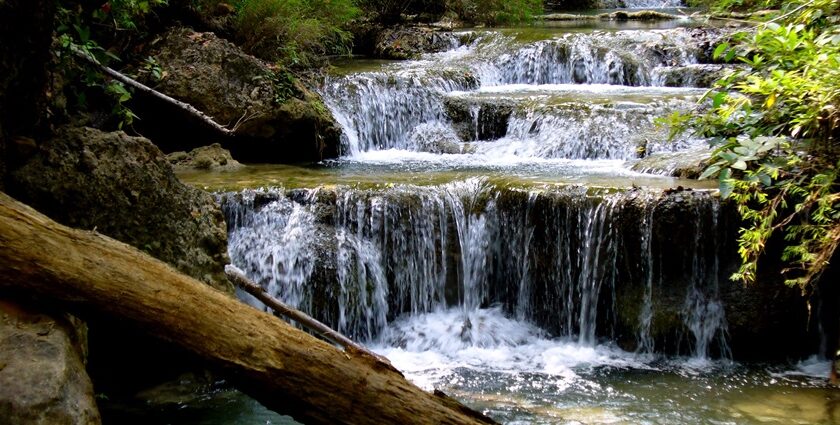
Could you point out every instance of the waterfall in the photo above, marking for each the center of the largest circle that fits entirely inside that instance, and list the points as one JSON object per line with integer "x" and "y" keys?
{"x": 405, "y": 106}
{"x": 640, "y": 4}
{"x": 646, "y": 343}
{"x": 381, "y": 110}
{"x": 272, "y": 243}
{"x": 474, "y": 230}
{"x": 623, "y": 58}
{"x": 587, "y": 265}
{"x": 703, "y": 313}
{"x": 361, "y": 259}
{"x": 596, "y": 256}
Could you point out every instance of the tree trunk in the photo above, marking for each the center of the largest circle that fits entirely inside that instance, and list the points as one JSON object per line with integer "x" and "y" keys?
{"x": 287, "y": 370}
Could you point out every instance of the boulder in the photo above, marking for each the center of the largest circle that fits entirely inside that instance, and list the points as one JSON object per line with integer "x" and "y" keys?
{"x": 409, "y": 42}
{"x": 479, "y": 119}
{"x": 276, "y": 118}
{"x": 213, "y": 158}
{"x": 42, "y": 371}
{"x": 123, "y": 187}
{"x": 684, "y": 164}
{"x": 435, "y": 138}
{"x": 696, "y": 75}
{"x": 707, "y": 39}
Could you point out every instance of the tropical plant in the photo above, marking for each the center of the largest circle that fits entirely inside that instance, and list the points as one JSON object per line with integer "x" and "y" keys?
{"x": 775, "y": 126}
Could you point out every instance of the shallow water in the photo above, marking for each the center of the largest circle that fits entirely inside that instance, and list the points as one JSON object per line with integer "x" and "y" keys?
{"x": 512, "y": 372}
{"x": 515, "y": 374}
{"x": 383, "y": 168}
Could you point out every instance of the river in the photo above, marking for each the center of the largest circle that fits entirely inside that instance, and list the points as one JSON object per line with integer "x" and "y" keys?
{"x": 487, "y": 229}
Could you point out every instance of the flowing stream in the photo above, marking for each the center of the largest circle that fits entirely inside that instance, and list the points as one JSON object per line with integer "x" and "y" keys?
{"x": 484, "y": 229}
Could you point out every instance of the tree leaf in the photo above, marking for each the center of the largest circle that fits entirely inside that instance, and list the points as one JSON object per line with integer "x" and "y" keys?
{"x": 719, "y": 50}
{"x": 765, "y": 179}
{"x": 728, "y": 156}
{"x": 709, "y": 172}
{"x": 718, "y": 99}
{"x": 726, "y": 188}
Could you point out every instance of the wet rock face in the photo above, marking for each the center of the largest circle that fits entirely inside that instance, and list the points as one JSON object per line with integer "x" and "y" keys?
{"x": 480, "y": 120}
{"x": 123, "y": 187}
{"x": 276, "y": 120}
{"x": 707, "y": 39}
{"x": 42, "y": 371}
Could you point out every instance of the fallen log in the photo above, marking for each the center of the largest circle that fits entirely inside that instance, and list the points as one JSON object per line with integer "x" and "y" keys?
{"x": 239, "y": 279}
{"x": 284, "y": 368}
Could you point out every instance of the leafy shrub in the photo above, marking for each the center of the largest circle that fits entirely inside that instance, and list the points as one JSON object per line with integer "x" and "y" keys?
{"x": 729, "y": 5}
{"x": 294, "y": 32}
{"x": 495, "y": 12}
{"x": 487, "y": 12}
{"x": 776, "y": 126}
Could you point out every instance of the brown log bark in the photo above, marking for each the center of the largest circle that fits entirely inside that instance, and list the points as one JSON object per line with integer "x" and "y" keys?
{"x": 286, "y": 369}
{"x": 311, "y": 324}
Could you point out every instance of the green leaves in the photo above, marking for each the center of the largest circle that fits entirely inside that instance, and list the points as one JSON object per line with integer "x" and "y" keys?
{"x": 774, "y": 123}
{"x": 720, "y": 50}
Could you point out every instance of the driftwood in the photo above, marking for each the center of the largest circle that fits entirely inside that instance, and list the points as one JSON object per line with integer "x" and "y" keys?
{"x": 186, "y": 107}
{"x": 305, "y": 320}
{"x": 284, "y": 368}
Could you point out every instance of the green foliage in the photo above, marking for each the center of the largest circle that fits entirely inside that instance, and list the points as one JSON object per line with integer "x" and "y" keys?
{"x": 283, "y": 83}
{"x": 387, "y": 11}
{"x": 486, "y": 12}
{"x": 75, "y": 37}
{"x": 496, "y": 12}
{"x": 294, "y": 32}
{"x": 729, "y": 5}
{"x": 776, "y": 125}
{"x": 123, "y": 14}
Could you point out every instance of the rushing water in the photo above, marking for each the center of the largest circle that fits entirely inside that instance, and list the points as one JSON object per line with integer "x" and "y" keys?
{"x": 536, "y": 83}
{"x": 556, "y": 257}
{"x": 484, "y": 231}
{"x": 514, "y": 373}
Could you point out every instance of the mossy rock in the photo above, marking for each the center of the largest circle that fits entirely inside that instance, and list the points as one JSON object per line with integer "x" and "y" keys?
{"x": 124, "y": 187}
{"x": 213, "y": 157}
{"x": 276, "y": 118}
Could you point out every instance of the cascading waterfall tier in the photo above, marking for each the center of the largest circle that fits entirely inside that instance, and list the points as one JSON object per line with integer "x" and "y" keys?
{"x": 569, "y": 122}
{"x": 632, "y": 58}
{"x": 407, "y": 106}
{"x": 564, "y": 259}
{"x": 639, "y": 4}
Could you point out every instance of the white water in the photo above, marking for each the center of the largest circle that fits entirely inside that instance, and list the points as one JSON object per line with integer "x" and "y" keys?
{"x": 274, "y": 244}
{"x": 433, "y": 346}
{"x": 661, "y": 4}
{"x": 404, "y": 106}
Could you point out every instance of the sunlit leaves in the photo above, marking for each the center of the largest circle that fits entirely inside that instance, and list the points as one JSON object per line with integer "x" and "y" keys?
{"x": 773, "y": 126}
